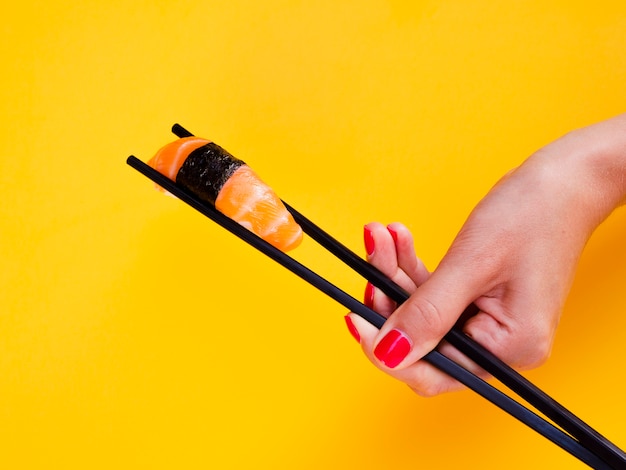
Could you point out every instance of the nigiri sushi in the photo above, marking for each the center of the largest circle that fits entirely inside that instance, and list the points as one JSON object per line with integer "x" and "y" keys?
{"x": 235, "y": 190}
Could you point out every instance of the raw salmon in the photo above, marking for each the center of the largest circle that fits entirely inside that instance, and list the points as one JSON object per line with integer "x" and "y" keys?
{"x": 231, "y": 186}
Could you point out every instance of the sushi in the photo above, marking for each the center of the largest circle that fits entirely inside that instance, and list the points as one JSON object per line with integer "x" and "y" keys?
{"x": 214, "y": 175}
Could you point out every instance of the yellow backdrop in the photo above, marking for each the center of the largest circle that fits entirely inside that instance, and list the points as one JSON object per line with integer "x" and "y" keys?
{"x": 134, "y": 333}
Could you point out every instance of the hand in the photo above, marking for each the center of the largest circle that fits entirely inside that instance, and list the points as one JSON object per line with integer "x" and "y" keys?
{"x": 514, "y": 258}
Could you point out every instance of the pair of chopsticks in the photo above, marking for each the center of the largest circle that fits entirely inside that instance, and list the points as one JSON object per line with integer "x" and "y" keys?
{"x": 575, "y": 437}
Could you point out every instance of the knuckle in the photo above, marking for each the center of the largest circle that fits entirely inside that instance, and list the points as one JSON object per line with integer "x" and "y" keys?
{"x": 540, "y": 353}
{"x": 534, "y": 345}
{"x": 427, "y": 317}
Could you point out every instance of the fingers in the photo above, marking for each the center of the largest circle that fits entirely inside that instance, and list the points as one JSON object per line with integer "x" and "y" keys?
{"x": 408, "y": 261}
{"x": 391, "y": 250}
{"x": 381, "y": 252}
{"x": 418, "y": 325}
{"x": 423, "y": 378}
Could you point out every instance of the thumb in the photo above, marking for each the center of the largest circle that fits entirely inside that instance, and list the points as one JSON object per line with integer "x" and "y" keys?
{"x": 419, "y": 324}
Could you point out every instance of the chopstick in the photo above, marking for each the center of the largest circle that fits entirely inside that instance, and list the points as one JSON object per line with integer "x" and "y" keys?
{"x": 584, "y": 433}
{"x": 471, "y": 381}
{"x": 588, "y": 436}
{"x": 436, "y": 358}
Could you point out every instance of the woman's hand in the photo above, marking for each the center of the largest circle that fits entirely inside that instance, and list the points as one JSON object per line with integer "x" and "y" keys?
{"x": 514, "y": 258}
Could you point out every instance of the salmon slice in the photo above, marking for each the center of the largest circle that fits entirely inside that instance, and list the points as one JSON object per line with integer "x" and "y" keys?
{"x": 249, "y": 201}
{"x": 171, "y": 157}
{"x": 231, "y": 186}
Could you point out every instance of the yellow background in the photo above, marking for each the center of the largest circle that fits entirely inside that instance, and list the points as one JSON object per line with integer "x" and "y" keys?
{"x": 134, "y": 333}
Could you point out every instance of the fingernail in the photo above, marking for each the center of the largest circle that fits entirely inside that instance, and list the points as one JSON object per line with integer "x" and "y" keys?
{"x": 369, "y": 241}
{"x": 394, "y": 234}
{"x": 393, "y": 348}
{"x": 368, "y": 297}
{"x": 352, "y": 329}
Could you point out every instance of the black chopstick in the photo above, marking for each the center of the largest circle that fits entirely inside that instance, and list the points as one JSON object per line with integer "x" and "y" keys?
{"x": 588, "y": 436}
{"x": 584, "y": 433}
{"x": 437, "y": 359}
{"x": 500, "y": 370}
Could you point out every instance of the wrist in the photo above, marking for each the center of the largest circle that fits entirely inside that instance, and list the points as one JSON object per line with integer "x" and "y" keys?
{"x": 607, "y": 159}
{"x": 589, "y": 165}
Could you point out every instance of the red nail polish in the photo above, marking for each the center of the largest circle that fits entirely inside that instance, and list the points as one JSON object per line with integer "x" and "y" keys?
{"x": 352, "y": 329}
{"x": 394, "y": 234}
{"x": 369, "y": 241}
{"x": 368, "y": 297}
{"x": 393, "y": 348}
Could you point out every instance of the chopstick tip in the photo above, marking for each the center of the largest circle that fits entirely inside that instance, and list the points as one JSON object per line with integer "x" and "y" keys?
{"x": 180, "y": 131}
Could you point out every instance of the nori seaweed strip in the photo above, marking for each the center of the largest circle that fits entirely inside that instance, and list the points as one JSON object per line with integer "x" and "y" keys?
{"x": 206, "y": 170}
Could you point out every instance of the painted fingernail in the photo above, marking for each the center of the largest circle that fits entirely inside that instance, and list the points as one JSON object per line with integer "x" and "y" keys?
{"x": 394, "y": 234}
{"x": 352, "y": 329}
{"x": 368, "y": 297}
{"x": 369, "y": 241}
{"x": 393, "y": 348}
